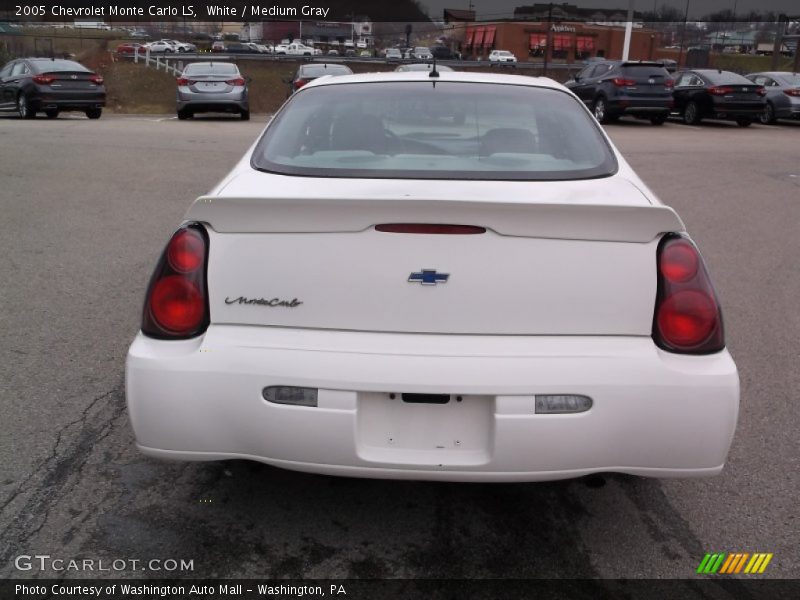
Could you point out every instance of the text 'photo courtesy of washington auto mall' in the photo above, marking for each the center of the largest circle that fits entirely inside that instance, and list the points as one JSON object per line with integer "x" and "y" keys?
{"x": 409, "y": 299}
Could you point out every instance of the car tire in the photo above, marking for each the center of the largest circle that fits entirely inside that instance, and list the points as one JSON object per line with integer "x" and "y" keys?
{"x": 94, "y": 113}
{"x": 658, "y": 120}
{"x": 245, "y": 114}
{"x": 52, "y": 113}
{"x": 744, "y": 122}
{"x": 691, "y": 114}
{"x": 600, "y": 110}
{"x": 24, "y": 108}
{"x": 768, "y": 116}
{"x": 184, "y": 114}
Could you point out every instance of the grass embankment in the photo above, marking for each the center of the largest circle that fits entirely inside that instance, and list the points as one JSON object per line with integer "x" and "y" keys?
{"x": 744, "y": 63}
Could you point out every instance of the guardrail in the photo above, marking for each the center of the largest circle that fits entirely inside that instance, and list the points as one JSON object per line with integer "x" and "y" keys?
{"x": 159, "y": 62}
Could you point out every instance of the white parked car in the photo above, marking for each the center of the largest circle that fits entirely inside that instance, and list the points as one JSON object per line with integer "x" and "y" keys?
{"x": 296, "y": 49}
{"x": 461, "y": 282}
{"x": 393, "y": 54}
{"x": 161, "y": 46}
{"x": 422, "y": 53}
{"x": 179, "y": 46}
{"x": 502, "y": 56}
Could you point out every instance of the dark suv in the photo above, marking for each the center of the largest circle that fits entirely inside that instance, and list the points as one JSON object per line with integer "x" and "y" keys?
{"x": 613, "y": 88}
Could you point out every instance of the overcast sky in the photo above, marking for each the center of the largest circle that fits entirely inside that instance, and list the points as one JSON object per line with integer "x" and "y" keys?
{"x": 499, "y": 9}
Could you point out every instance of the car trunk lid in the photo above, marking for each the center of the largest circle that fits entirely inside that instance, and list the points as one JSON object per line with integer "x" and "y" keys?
{"x": 71, "y": 80}
{"x": 560, "y": 259}
{"x": 214, "y": 84}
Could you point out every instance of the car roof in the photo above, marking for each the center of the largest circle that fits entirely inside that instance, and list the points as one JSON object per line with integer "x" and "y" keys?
{"x": 459, "y": 76}
{"x": 773, "y": 73}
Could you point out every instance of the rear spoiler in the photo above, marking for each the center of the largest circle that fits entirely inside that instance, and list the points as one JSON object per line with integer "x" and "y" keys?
{"x": 597, "y": 222}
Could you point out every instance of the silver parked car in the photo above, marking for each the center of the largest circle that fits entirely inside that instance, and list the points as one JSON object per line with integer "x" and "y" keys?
{"x": 212, "y": 87}
{"x": 783, "y": 95}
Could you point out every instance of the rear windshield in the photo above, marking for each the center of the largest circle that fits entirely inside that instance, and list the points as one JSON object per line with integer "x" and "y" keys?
{"x": 724, "y": 77}
{"x": 791, "y": 78}
{"x": 645, "y": 71}
{"x": 450, "y": 130}
{"x": 320, "y": 70}
{"x": 55, "y": 66}
{"x": 211, "y": 69}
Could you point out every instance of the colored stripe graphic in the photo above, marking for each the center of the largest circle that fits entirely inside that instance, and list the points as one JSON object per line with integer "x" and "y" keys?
{"x": 711, "y": 563}
{"x": 734, "y": 562}
{"x": 758, "y": 563}
{"x": 741, "y": 562}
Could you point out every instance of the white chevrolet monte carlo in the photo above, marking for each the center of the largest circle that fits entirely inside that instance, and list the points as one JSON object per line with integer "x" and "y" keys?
{"x": 442, "y": 276}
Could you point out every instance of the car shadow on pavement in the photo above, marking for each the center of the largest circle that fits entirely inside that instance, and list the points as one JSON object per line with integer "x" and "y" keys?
{"x": 246, "y": 519}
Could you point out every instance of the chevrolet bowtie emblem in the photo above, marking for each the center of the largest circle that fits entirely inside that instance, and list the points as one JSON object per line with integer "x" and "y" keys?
{"x": 428, "y": 277}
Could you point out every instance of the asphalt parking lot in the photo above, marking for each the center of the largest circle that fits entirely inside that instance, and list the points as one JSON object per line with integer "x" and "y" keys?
{"x": 87, "y": 207}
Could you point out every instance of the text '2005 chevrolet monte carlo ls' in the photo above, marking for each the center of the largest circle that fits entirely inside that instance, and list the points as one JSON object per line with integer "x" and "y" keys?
{"x": 442, "y": 276}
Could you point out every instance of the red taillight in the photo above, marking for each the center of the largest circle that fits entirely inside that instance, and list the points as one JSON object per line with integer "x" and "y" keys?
{"x": 185, "y": 81}
{"x": 687, "y": 315}
{"x": 795, "y": 92}
{"x": 177, "y": 305}
{"x": 622, "y": 82}
{"x": 720, "y": 90}
{"x": 761, "y": 91}
{"x": 669, "y": 84}
{"x": 430, "y": 228}
{"x": 98, "y": 79}
{"x": 299, "y": 83}
{"x": 237, "y": 81}
{"x": 44, "y": 79}
{"x": 679, "y": 261}
{"x": 186, "y": 251}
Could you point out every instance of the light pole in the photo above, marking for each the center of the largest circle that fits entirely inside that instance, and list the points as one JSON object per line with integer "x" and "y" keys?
{"x": 626, "y": 46}
{"x": 683, "y": 32}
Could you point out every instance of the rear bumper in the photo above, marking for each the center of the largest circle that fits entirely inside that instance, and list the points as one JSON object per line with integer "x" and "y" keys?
{"x": 68, "y": 99}
{"x": 791, "y": 112}
{"x": 654, "y": 414}
{"x": 196, "y": 102}
{"x": 650, "y": 107}
{"x": 750, "y": 110}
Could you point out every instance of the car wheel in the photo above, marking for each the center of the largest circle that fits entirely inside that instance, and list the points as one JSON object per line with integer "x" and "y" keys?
{"x": 184, "y": 114}
{"x": 24, "y": 108}
{"x": 94, "y": 113}
{"x": 744, "y": 122}
{"x": 52, "y": 113}
{"x": 245, "y": 114}
{"x": 658, "y": 120}
{"x": 600, "y": 110}
{"x": 691, "y": 114}
{"x": 768, "y": 116}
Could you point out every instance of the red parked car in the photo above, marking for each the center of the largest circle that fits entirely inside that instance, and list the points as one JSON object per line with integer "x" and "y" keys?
{"x": 129, "y": 49}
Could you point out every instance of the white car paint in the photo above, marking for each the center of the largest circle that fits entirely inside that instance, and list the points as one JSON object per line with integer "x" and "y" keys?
{"x": 161, "y": 46}
{"x": 578, "y": 319}
{"x": 502, "y": 56}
